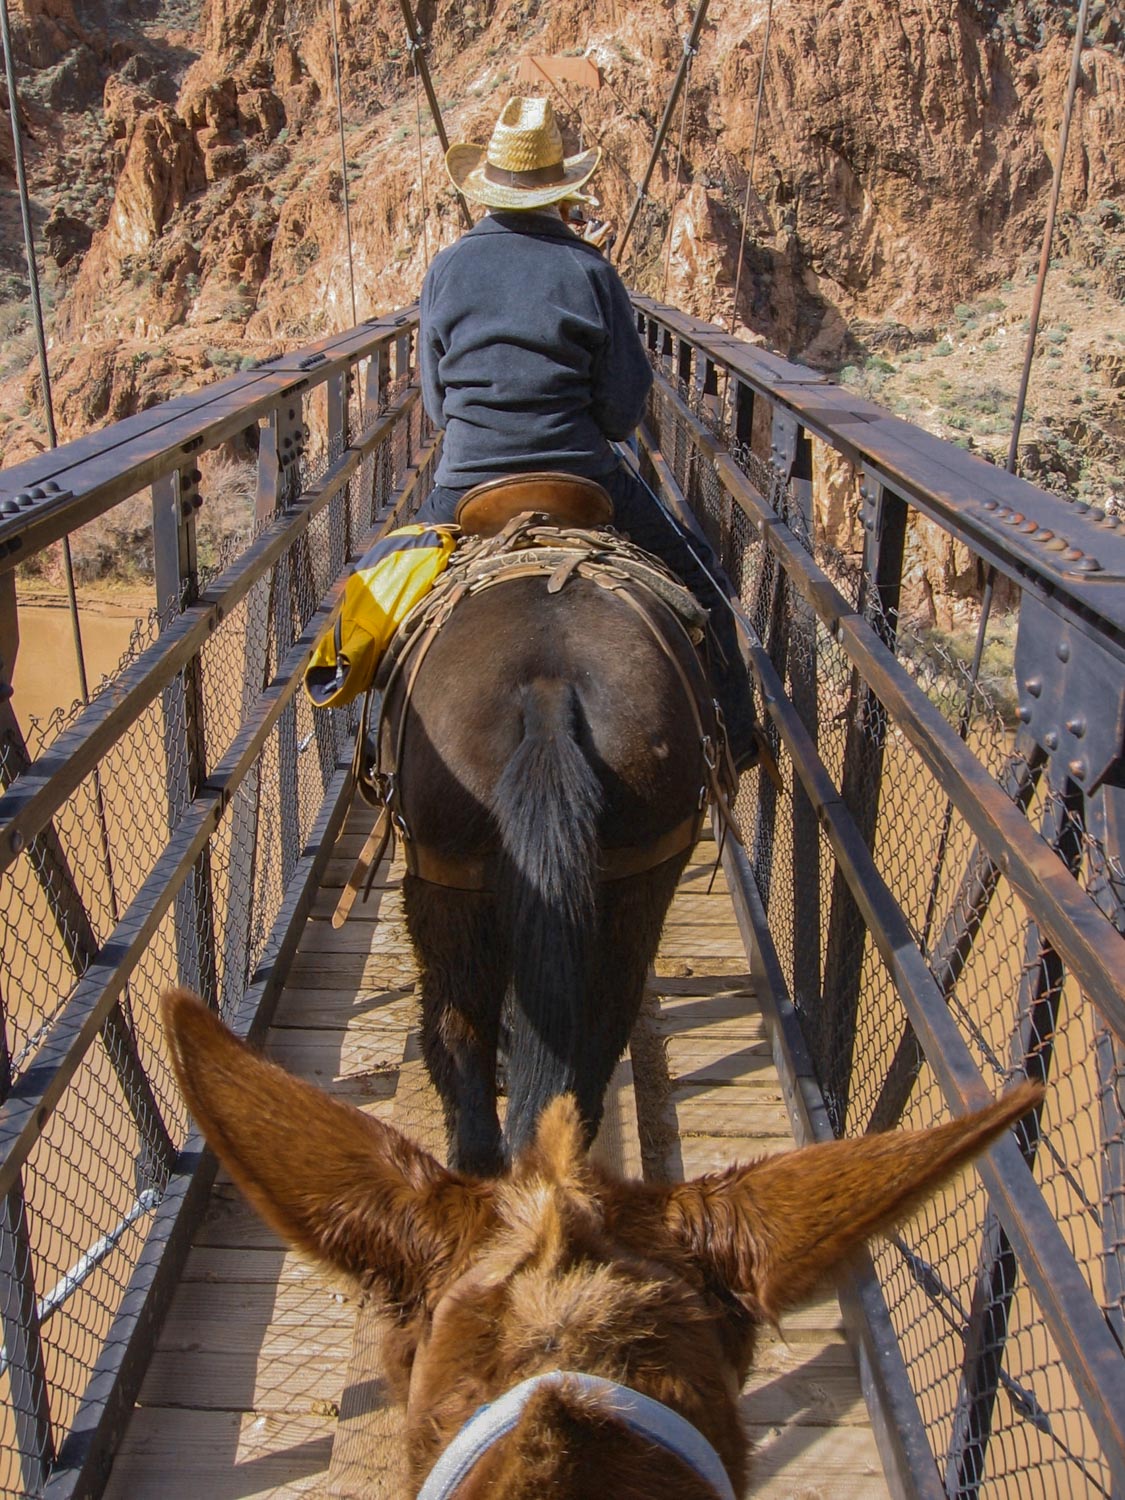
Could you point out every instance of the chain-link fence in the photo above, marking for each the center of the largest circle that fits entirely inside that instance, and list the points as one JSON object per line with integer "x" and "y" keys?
{"x": 941, "y": 869}
{"x": 158, "y": 835}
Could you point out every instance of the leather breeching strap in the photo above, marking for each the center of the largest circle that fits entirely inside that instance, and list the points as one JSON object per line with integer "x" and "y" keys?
{"x": 524, "y": 549}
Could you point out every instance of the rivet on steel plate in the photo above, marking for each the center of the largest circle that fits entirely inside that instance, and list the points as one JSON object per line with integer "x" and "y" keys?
{"x": 1024, "y": 713}
{"x": 1051, "y": 739}
{"x": 1028, "y": 527}
{"x": 1072, "y": 554}
{"x": 1076, "y": 726}
{"x": 1089, "y": 565}
{"x": 1015, "y": 519}
{"x": 1078, "y": 769}
{"x": 1062, "y": 651}
{"x": 1044, "y": 534}
{"x": 17, "y": 842}
{"x": 990, "y": 504}
{"x": 1034, "y": 685}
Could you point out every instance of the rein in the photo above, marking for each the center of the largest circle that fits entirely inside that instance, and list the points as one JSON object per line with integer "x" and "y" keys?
{"x": 641, "y": 1414}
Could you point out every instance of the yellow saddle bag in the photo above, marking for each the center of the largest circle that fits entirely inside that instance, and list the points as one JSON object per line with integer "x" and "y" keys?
{"x": 387, "y": 583}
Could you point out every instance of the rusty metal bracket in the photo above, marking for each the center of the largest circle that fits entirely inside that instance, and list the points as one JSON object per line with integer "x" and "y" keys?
{"x": 1071, "y": 694}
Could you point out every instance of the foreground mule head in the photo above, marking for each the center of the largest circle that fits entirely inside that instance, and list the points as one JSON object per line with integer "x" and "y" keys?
{"x": 557, "y": 1266}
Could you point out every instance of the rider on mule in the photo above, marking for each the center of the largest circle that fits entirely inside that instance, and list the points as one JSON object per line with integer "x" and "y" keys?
{"x": 531, "y": 360}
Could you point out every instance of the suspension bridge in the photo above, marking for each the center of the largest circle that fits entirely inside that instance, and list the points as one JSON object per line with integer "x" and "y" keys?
{"x": 930, "y": 903}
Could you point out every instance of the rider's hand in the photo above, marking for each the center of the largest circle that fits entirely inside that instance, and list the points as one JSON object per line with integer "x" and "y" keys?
{"x": 600, "y": 233}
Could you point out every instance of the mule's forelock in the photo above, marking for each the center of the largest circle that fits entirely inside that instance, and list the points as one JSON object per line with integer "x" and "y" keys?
{"x": 558, "y": 1151}
{"x": 550, "y": 1199}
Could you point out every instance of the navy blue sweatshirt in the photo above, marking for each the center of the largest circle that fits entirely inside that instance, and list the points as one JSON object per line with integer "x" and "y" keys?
{"x": 529, "y": 352}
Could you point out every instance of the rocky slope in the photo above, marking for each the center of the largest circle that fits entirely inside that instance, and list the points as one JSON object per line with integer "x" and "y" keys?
{"x": 187, "y": 177}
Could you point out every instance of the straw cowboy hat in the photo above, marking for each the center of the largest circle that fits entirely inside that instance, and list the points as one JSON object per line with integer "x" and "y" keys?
{"x": 523, "y": 165}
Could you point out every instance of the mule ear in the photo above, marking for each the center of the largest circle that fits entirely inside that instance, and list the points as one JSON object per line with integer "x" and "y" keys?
{"x": 775, "y": 1231}
{"x": 332, "y": 1181}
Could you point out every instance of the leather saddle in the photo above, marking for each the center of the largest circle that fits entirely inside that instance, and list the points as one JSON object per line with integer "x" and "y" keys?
{"x": 564, "y": 499}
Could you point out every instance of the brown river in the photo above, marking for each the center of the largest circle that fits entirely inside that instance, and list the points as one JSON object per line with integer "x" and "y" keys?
{"x": 46, "y": 675}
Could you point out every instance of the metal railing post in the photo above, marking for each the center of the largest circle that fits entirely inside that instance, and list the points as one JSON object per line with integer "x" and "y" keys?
{"x": 1032, "y": 1050}
{"x": 860, "y": 787}
{"x": 19, "y": 1316}
{"x": 175, "y": 500}
{"x": 1105, "y": 819}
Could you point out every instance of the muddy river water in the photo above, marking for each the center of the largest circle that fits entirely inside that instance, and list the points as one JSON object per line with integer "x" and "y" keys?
{"x": 46, "y": 675}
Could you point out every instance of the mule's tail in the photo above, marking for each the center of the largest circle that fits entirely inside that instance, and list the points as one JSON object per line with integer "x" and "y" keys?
{"x": 547, "y": 803}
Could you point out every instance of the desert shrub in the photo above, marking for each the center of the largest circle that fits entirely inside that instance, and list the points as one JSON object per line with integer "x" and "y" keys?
{"x": 225, "y": 520}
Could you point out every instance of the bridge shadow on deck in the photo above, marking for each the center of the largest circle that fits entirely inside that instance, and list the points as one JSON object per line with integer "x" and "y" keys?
{"x": 242, "y": 1394}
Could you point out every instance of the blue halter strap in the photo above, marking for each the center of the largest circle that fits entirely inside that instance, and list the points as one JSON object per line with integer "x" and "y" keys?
{"x": 651, "y": 1419}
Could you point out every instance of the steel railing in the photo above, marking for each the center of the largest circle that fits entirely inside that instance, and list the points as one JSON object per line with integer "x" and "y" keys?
{"x": 172, "y": 830}
{"x": 936, "y": 899}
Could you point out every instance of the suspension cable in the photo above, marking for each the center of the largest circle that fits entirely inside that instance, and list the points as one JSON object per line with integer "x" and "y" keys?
{"x": 40, "y": 335}
{"x": 691, "y": 46}
{"x": 52, "y": 434}
{"x": 750, "y": 169}
{"x": 343, "y": 159}
{"x": 418, "y": 45}
{"x": 584, "y": 127}
{"x": 676, "y": 183}
{"x": 1048, "y": 231}
{"x": 421, "y": 158}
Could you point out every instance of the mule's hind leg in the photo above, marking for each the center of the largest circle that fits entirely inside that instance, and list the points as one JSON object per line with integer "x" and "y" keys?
{"x": 464, "y": 973}
{"x": 630, "y": 919}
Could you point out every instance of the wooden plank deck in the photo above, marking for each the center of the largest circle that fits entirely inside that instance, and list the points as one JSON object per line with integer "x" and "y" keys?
{"x": 262, "y": 1382}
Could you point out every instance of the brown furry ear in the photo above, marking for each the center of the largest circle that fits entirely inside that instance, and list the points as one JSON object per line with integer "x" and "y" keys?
{"x": 334, "y": 1182}
{"x": 774, "y": 1231}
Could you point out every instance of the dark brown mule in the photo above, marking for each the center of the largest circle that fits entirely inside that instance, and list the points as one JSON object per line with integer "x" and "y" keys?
{"x": 557, "y": 1267}
{"x": 548, "y": 736}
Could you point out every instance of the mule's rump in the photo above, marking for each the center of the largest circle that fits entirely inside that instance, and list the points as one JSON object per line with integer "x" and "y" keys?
{"x": 544, "y": 735}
